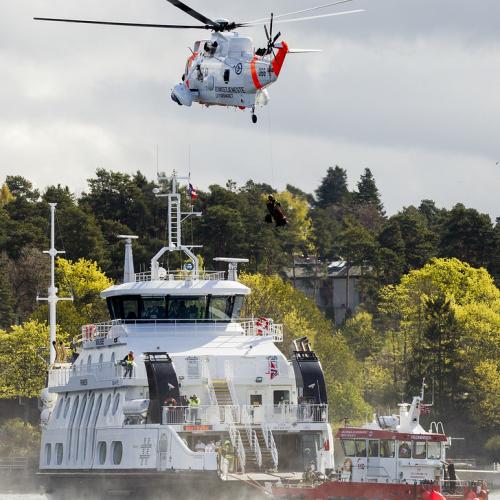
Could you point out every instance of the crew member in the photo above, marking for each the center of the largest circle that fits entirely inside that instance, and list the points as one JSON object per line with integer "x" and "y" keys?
{"x": 128, "y": 362}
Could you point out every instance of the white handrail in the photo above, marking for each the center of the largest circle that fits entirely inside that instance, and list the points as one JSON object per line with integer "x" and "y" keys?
{"x": 205, "y": 373}
{"x": 229, "y": 376}
{"x": 256, "y": 448}
{"x": 271, "y": 445}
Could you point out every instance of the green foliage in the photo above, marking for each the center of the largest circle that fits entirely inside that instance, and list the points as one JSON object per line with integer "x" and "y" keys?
{"x": 333, "y": 188}
{"x": 23, "y": 360}
{"x": 19, "y": 439}
{"x": 368, "y": 193}
{"x": 363, "y": 339}
{"x": 492, "y": 446}
{"x": 6, "y": 297}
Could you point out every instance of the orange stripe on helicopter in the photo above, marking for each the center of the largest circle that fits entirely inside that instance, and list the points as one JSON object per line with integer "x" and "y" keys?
{"x": 280, "y": 58}
{"x": 253, "y": 71}
{"x": 190, "y": 61}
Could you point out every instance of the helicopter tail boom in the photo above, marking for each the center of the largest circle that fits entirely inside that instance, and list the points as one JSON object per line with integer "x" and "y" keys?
{"x": 279, "y": 58}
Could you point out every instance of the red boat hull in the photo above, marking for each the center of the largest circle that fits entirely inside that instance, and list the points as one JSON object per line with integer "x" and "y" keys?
{"x": 366, "y": 491}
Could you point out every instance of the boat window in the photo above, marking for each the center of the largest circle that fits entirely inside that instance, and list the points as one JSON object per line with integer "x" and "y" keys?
{"x": 434, "y": 450}
{"x": 360, "y": 447}
{"x": 373, "y": 446}
{"x": 281, "y": 397}
{"x": 220, "y": 308}
{"x": 153, "y": 308}
{"x": 59, "y": 453}
{"x": 387, "y": 448}
{"x": 101, "y": 449}
{"x": 418, "y": 450}
{"x": 117, "y": 452}
{"x": 404, "y": 449}
{"x": 48, "y": 453}
{"x": 349, "y": 447}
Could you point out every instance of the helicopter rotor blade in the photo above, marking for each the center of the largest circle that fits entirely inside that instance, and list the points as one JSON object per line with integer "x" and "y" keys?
{"x": 275, "y": 39}
{"x": 111, "y": 23}
{"x": 193, "y": 13}
{"x": 267, "y": 32}
{"x": 301, "y": 11}
{"x": 308, "y": 18}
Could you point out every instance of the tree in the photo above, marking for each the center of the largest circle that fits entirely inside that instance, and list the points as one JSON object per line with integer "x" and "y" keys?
{"x": 468, "y": 236}
{"x": 23, "y": 360}
{"x": 6, "y": 297}
{"x": 368, "y": 193}
{"x": 333, "y": 188}
{"x": 5, "y": 195}
{"x": 361, "y": 335}
{"x": 391, "y": 255}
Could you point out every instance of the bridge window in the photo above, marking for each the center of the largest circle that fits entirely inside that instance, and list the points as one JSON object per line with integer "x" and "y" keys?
{"x": 434, "y": 450}
{"x": 404, "y": 449}
{"x": 133, "y": 308}
{"x": 419, "y": 450}
{"x": 387, "y": 448}
{"x": 373, "y": 446}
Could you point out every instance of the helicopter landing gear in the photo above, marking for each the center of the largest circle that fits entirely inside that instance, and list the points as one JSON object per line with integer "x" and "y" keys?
{"x": 254, "y": 116}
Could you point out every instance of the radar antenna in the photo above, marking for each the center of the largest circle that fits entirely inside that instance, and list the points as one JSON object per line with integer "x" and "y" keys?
{"x": 175, "y": 219}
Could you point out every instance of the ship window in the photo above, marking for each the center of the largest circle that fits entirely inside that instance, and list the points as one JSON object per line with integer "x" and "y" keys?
{"x": 187, "y": 308}
{"x": 418, "y": 450}
{"x": 349, "y": 447}
{"x": 404, "y": 450}
{"x": 360, "y": 447}
{"x": 48, "y": 453}
{"x": 130, "y": 308}
{"x": 387, "y": 448}
{"x": 434, "y": 450}
{"x": 238, "y": 304}
{"x": 115, "y": 404}
{"x": 107, "y": 404}
{"x": 281, "y": 397}
{"x": 117, "y": 452}
{"x": 373, "y": 446}
{"x": 220, "y": 308}
{"x": 153, "y": 308}
{"x": 59, "y": 453}
{"x": 101, "y": 450}
{"x": 66, "y": 408}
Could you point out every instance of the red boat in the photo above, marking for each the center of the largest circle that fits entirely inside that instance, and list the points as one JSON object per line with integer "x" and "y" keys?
{"x": 392, "y": 458}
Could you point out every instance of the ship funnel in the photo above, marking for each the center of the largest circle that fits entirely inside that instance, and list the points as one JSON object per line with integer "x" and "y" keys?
{"x": 128, "y": 266}
{"x": 232, "y": 270}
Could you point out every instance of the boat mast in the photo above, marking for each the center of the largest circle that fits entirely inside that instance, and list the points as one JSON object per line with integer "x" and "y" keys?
{"x": 52, "y": 297}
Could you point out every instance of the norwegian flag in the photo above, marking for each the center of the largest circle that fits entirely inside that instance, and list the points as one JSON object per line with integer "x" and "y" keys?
{"x": 192, "y": 192}
{"x": 273, "y": 367}
{"x": 425, "y": 409}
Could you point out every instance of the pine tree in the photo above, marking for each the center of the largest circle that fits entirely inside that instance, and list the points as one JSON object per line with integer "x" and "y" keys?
{"x": 333, "y": 188}
{"x": 367, "y": 191}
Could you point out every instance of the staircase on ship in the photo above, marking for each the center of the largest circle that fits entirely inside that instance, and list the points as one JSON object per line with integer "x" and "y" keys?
{"x": 224, "y": 399}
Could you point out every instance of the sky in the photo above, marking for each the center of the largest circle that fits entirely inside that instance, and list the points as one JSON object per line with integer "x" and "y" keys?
{"x": 409, "y": 89}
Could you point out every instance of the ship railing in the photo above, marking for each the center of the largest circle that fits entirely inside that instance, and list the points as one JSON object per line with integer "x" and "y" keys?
{"x": 249, "y": 327}
{"x": 246, "y": 415}
{"x": 263, "y": 327}
{"x": 180, "y": 275}
{"x": 229, "y": 376}
{"x": 271, "y": 445}
{"x": 101, "y": 371}
{"x": 287, "y": 414}
{"x": 256, "y": 448}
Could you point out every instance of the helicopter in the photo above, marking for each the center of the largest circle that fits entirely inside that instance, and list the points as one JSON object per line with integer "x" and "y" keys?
{"x": 226, "y": 69}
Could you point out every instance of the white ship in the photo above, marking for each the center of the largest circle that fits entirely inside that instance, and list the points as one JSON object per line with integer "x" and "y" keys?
{"x": 209, "y": 399}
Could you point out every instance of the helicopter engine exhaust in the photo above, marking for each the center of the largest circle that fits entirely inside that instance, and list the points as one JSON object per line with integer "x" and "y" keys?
{"x": 182, "y": 95}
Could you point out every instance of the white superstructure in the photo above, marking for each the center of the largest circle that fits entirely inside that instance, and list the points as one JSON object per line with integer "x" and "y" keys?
{"x": 254, "y": 411}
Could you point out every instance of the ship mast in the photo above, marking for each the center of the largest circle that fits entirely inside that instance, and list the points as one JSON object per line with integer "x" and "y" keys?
{"x": 175, "y": 219}
{"x": 52, "y": 297}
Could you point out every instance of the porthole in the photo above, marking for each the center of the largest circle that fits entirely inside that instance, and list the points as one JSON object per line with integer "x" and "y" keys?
{"x": 59, "y": 453}
{"x": 101, "y": 450}
{"x": 117, "y": 451}
{"x": 66, "y": 407}
{"x": 116, "y": 403}
{"x": 107, "y": 404}
{"x": 48, "y": 453}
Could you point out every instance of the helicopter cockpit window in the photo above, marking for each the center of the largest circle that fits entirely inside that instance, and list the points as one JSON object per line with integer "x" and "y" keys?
{"x": 227, "y": 73}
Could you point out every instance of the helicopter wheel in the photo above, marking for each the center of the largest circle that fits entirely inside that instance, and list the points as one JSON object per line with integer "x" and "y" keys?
{"x": 254, "y": 118}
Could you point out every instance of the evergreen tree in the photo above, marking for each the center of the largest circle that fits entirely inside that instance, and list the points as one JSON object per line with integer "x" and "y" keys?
{"x": 6, "y": 297}
{"x": 333, "y": 188}
{"x": 367, "y": 193}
